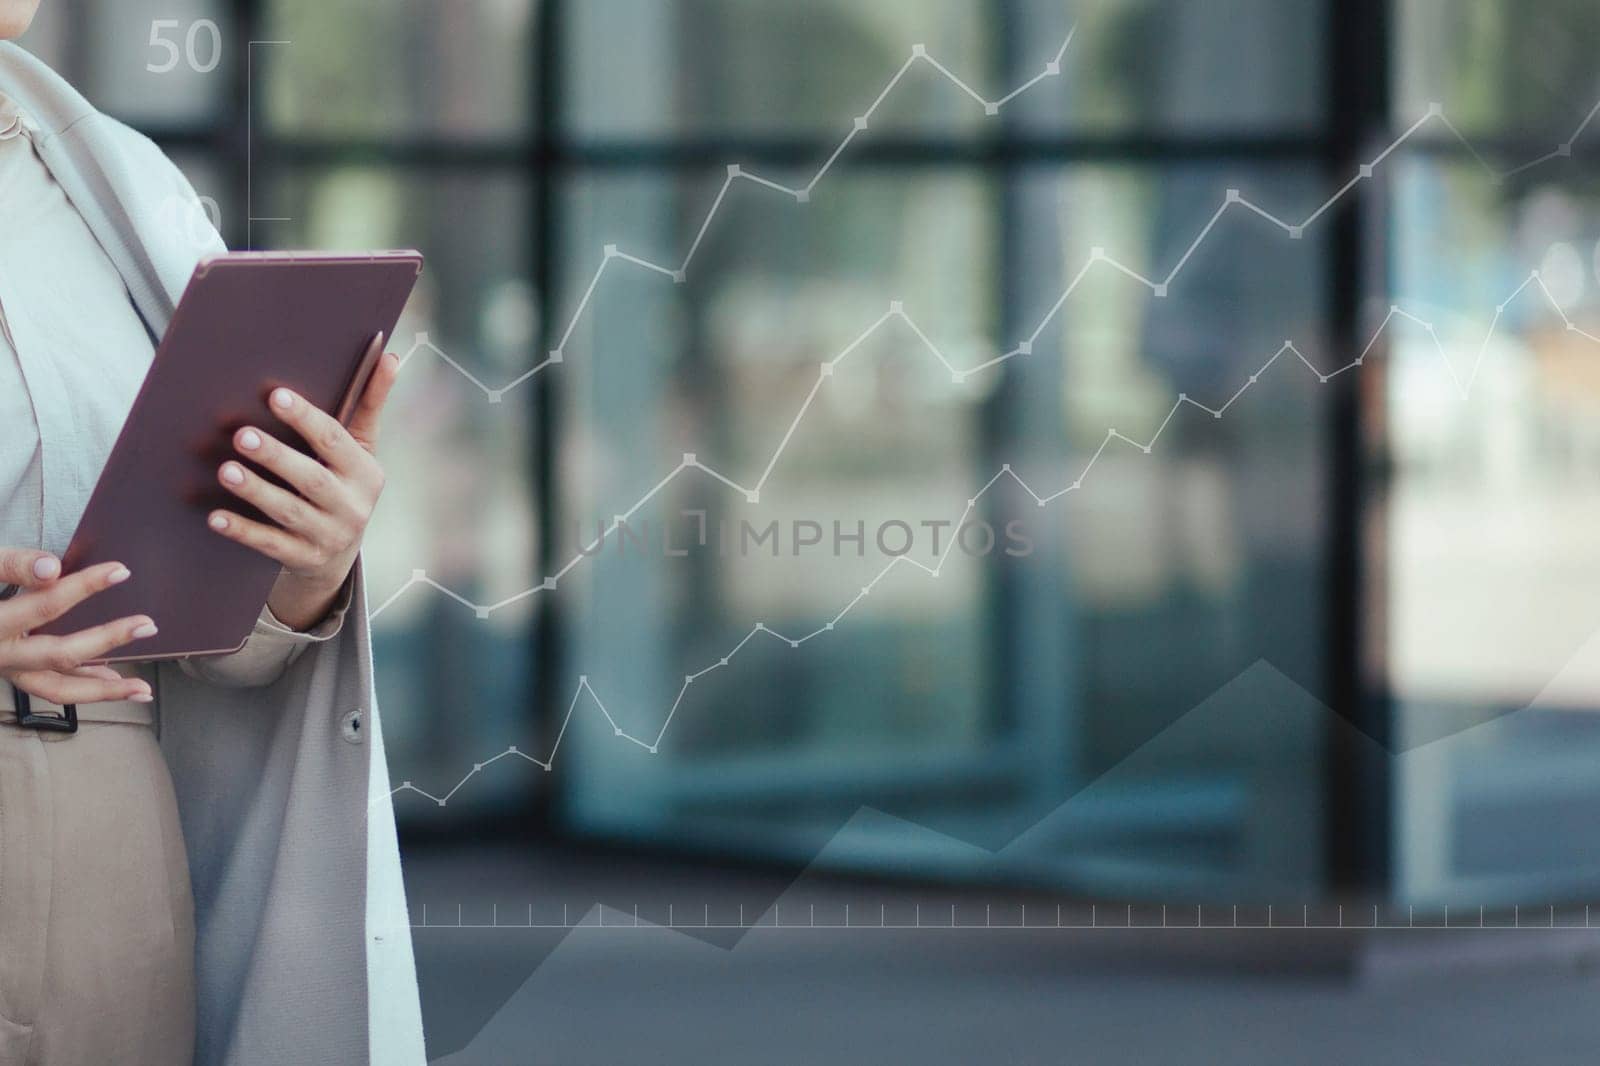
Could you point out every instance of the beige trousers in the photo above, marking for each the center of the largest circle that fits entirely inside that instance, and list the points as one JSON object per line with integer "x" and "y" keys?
{"x": 96, "y": 915}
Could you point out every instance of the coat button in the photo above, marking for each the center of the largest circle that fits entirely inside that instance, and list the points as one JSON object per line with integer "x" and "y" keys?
{"x": 353, "y": 727}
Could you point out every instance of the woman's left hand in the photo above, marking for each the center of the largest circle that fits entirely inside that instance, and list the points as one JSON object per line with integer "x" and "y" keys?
{"x": 318, "y": 522}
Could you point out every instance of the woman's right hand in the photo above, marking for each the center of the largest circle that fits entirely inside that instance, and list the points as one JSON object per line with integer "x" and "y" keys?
{"x": 52, "y": 667}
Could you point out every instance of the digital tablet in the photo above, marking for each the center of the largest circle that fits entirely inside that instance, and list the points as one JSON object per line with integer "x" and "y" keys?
{"x": 248, "y": 322}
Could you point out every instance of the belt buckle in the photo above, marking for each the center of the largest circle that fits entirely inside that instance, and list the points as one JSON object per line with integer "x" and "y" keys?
{"x": 65, "y": 722}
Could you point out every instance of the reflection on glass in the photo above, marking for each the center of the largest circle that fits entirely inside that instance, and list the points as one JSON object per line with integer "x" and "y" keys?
{"x": 399, "y": 68}
{"x": 661, "y": 68}
{"x": 458, "y": 502}
{"x": 974, "y": 703}
{"x": 1512, "y": 69}
{"x": 1491, "y": 563}
{"x": 1218, "y": 65}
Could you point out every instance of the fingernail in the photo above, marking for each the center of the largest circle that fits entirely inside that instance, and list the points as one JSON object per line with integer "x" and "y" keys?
{"x": 249, "y": 440}
{"x": 141, "y": 697}
{"x": 118, "y": 576}
{"x": 232, "y": 474}
{"x": 46, "y": 567}
{"x": 282, "y": 399}
{"x": 147, "y": 630}
{"x": 218, "y": 522}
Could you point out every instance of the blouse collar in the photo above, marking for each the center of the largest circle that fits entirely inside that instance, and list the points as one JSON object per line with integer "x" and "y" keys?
{"x": 12, "y": 119}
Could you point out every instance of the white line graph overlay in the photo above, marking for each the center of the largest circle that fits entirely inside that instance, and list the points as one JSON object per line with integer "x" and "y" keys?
{"x": 1098, "y": 258}
{"x": 736, "y": 172}
{"x": 1463, "y": 386}
{"x": 802, "y": 194}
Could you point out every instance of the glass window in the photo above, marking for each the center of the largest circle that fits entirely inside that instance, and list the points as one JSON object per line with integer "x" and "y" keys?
{"x": 400, "y": 70}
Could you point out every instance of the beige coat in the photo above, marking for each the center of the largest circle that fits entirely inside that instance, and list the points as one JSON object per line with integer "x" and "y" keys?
{"x": 304, "y": 952}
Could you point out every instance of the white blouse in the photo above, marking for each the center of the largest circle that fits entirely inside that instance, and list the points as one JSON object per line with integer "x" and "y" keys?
{"x": 67, "y": 378}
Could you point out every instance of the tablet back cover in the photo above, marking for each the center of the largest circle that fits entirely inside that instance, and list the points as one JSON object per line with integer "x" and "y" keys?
{"x": 247, "y": 323}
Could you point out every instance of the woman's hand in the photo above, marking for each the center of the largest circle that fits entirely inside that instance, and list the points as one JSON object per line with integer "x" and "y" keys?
{"x": 52, "y": 667}
{"x": 318, "y": 522}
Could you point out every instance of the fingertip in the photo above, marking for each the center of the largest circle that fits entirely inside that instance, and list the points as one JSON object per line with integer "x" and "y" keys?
{"x": 142, "y": 696}
{"x": 47, "y": 568}
{"x": 218, "y": 521}
{"x": 282, "y": 399}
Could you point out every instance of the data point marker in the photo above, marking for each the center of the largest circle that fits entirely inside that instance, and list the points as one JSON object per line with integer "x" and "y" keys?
{"x": 1216, "y": 414}
{"x": 617, "y": 733}
{"x": 796, "y": 643}
{"x": 1097, "y": 252}
{"x": 827, "y": 370}
{"x": 991, "y": 108}
{"x": 1183, "y": 396}
{"x": 958, "y": 377}
{"x": 689, "y": 459}
{"x": 1052, "y": 67}
{"x": 802, "y": 196}
{"x": 829, "y": 626}
{"x": 753, "y": 497}
{"x": 1077, "y": 484}
{"x": 1296, "y": 232}
{"x": 1006, "y": 467}
{"x": 679, "y": 276}
{"x": 477, "y": 767}
{"x": 1565, "y": 149}
{"x": 556, "y": 355}
{"x": 1161, "y": 289}
{"x": 1146, "y": 448}
{"x": 419, "y": 575}
{"x": 422, "y": 337}
{"x": 1026, "y": 347}
{"x": 919, "y": 49}
{"x": 549, "y": 584}
{"x": 495, "y": 395}
{"x": 1366, "y": 170}
{"x": 688, "y": 679}
{"x": 723, "y": 661}
{"x": 897, "y": 307}
{"x": 971, "y": 504}
{"x": 1322, "y": 378}
{"x": 611, "y": 250}
{"x": 861, "y": 123}
{"x": 652, "y": 749}
{"x": 1233, "y": 196}
{"x": 481, "y": 612}
{"x": 1253, "y": 379}
{"x": 1435, "y": 109}
{"x": 734, "y": 170}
